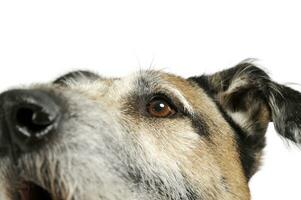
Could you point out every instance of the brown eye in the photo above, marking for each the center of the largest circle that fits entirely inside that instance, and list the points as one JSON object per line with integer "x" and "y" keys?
{"x": 160, "y": 108}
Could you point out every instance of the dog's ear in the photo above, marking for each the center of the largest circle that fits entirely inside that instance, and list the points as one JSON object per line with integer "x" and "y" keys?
{"x": 248, "y": 95}
{"x": 248, "y": 99}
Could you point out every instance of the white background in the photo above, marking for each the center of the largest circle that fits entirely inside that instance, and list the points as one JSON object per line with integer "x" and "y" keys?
{"x": 40, "y": 40}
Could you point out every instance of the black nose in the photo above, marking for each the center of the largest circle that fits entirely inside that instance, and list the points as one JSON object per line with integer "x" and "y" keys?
{"x": 28, "y": 118}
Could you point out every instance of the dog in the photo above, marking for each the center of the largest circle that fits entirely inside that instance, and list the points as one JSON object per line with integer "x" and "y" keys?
{"x": 151, "y": 135}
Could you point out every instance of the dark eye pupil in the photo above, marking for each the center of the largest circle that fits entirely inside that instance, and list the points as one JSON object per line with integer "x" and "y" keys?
{"x": 159, "y": 107}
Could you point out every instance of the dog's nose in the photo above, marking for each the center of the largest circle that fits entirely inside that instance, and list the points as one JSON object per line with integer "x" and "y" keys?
{"x": 28, "y": 118}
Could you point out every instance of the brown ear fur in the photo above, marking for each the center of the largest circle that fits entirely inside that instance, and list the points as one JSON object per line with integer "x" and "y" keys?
{"x": 247, "y": 95}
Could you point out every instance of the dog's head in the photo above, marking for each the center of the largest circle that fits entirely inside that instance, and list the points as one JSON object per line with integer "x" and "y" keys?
{"x": 151, "y": 135}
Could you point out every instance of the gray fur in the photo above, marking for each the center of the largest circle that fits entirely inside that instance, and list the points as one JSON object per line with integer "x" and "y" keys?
{"x": 107, "y": 149}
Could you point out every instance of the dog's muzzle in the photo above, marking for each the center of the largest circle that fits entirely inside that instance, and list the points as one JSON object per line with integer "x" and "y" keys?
{"x": 28, "y": 119}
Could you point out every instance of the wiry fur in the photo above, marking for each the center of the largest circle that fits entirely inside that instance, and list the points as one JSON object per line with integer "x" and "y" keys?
{"x": 248, "y": 95}
{"x": 109, "y": 148}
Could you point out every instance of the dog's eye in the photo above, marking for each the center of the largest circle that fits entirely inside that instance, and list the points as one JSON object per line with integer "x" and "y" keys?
{"x": 159, "y": 107}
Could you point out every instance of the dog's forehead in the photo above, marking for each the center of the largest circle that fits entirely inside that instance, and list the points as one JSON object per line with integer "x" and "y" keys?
{"x": 138, "y": 83}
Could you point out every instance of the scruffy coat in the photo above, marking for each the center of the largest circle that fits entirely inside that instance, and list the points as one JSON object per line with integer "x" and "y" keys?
{"x": 110, "y": 147}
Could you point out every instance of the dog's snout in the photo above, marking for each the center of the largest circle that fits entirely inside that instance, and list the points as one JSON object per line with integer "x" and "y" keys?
{"x": 28, "y": 118}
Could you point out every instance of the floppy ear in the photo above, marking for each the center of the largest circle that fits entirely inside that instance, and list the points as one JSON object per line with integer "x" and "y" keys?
{"x": 247, "y": 95}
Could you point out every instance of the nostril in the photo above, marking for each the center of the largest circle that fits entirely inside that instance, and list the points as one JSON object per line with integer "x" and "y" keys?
{"x": 33, "y": 119}
{"x": 29, "y": 119}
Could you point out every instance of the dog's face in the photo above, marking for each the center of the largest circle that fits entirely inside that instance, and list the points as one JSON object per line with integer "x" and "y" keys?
{"x": 150, "y": 135}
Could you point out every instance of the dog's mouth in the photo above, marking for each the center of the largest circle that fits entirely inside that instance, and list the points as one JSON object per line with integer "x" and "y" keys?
{"x": 33, "y": 191}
